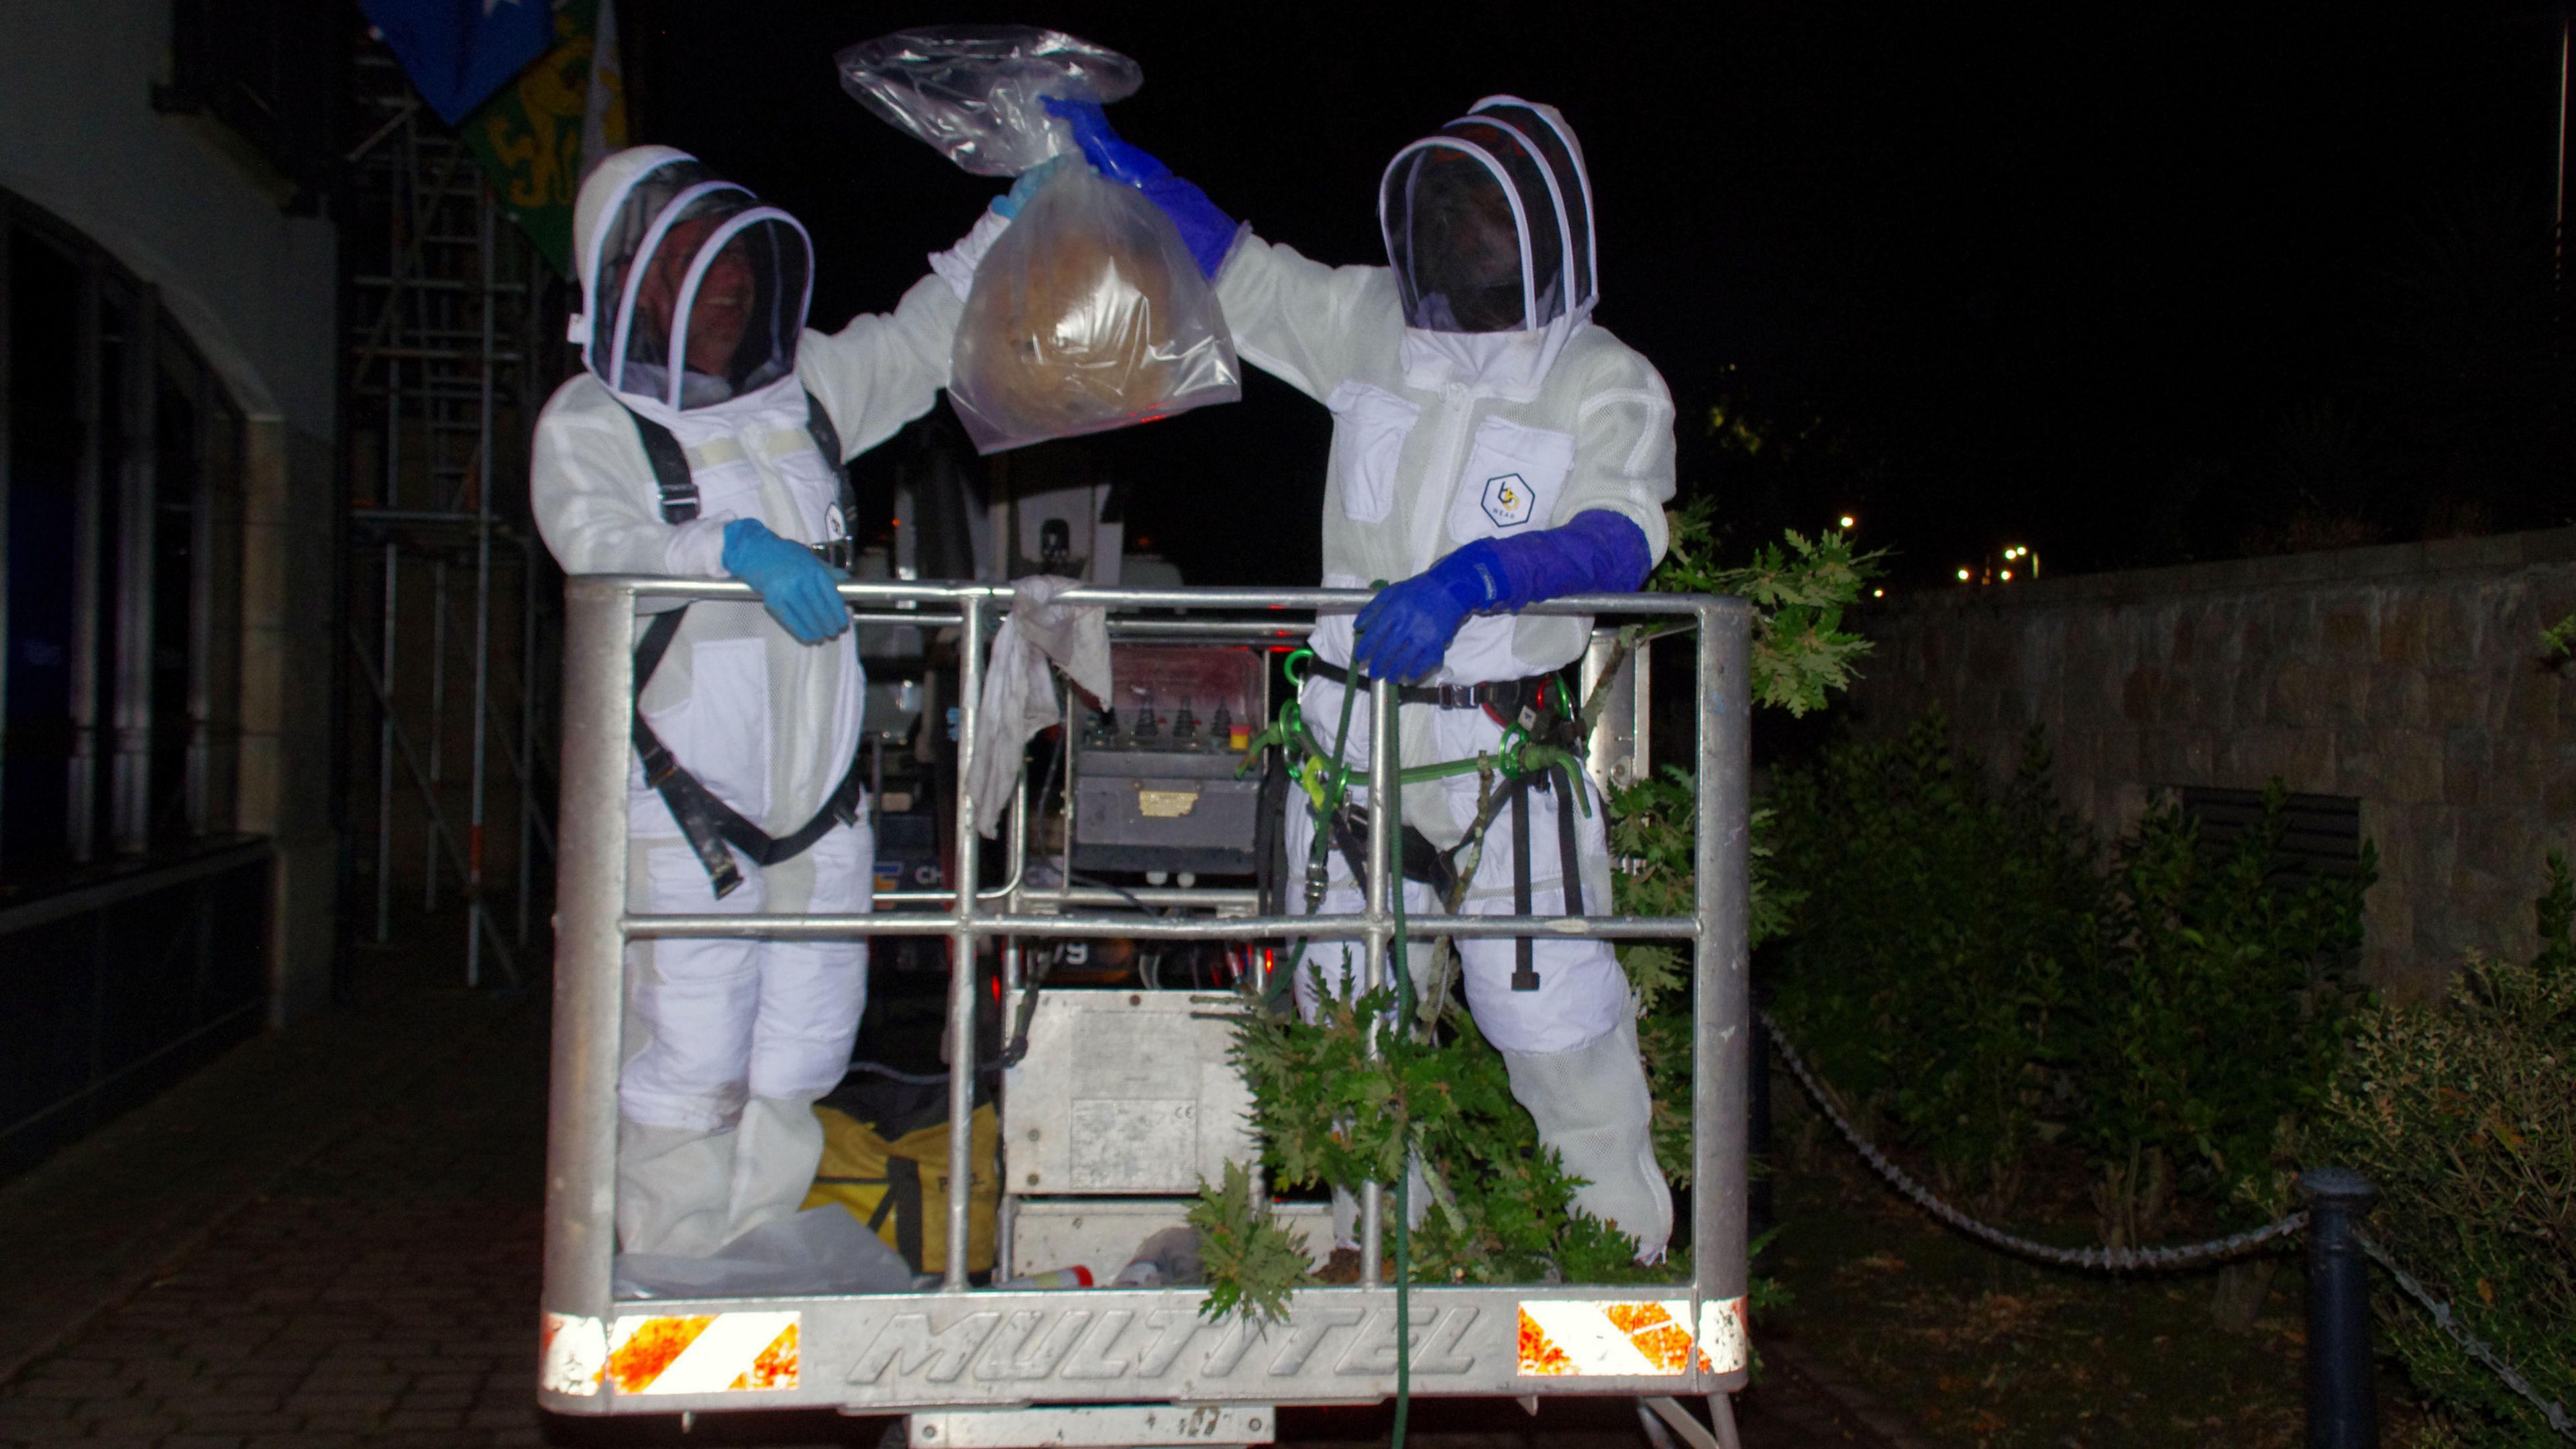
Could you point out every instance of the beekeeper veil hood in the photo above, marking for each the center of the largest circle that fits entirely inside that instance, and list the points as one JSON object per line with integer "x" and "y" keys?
{"x": 693, "y": 292}
{"x": 1488, "y": 222}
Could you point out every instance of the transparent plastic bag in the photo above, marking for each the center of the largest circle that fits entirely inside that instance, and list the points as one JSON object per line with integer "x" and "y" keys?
{"x": 972, "y": 91}
{"x": 1087, "y": 314}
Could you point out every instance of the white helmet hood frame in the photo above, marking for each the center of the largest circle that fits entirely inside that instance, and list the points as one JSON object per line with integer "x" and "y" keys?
{"x": 708, "y": 250}
{"x": 1587, "y": 290}
{"x": 1578, "y": 264}
{"x": 1502, "y": 178}
{"x": 604, "y": 200}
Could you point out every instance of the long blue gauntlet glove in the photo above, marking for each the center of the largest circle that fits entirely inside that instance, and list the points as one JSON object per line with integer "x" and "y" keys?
{"x": 793, "y": 585}
{"x": 1208, "y": 232}
{"x": 1596, "y": 552}
{"x": 1406, "y": 629}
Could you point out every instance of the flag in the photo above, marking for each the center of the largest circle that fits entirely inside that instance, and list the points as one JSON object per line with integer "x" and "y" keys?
{"x": 459, "y": 51}
{"x": 537, "y": 138}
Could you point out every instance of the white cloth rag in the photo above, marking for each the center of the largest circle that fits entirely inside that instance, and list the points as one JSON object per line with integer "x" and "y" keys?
{"x": 1019, "y": 698}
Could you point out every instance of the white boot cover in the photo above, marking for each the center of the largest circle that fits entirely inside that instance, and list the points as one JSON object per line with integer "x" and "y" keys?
{"x": 776, "y": 1150}
{"x": 1592, "y": 1106}
{"x": 673, "y": 1194}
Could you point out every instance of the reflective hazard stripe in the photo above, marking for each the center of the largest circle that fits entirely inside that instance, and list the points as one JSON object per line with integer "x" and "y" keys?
{"x": 1592, "y": 1339}
{"x": 702, "y": 1354}
{"x": 570, "y": 1350}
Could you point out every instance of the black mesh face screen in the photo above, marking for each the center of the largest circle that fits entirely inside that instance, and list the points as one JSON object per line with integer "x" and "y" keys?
{"x": 752, "y": 293}
{"x": 702, "y": 291}
{"x": 622, "y": 239}
{"x": 1476, "y": 231}
{"x": 1455, "y": 245}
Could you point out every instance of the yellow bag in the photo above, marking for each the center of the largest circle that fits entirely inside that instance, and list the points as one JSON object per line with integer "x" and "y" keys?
{"x": 900, "y": 1188}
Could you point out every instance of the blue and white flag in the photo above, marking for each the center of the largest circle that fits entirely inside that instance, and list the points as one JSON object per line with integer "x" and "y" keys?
{"x": 460, "y": 51}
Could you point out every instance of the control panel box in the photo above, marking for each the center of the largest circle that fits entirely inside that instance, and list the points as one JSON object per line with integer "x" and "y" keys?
{"x": 1154, "y": 777}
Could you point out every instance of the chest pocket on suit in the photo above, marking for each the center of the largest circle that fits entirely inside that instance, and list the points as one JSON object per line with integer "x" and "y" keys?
{"x": 728, "y": 481}
{"x": 1370, "y": 425}
{"x": 734, "y": 473}
{"x": 1513, "y": 478}
{"x": 814, "y": 484}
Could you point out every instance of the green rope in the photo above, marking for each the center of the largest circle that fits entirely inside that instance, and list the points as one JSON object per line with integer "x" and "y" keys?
{"x": 1391, "y": 803}
{"x": 1325, "y": 803}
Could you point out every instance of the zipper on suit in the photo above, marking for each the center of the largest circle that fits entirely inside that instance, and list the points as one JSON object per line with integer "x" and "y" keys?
{"x": 1457, "y": 407}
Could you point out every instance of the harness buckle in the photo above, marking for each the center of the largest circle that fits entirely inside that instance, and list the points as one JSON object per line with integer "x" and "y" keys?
{"x": 659, "y": 765}
{"x": 1459, "y": 696}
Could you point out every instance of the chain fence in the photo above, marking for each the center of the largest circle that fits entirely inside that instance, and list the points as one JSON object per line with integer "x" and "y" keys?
{"x": 2121, "y": 1260}
{"x": 2116, "y": 1260}
{"x": 2470, "y": 1344}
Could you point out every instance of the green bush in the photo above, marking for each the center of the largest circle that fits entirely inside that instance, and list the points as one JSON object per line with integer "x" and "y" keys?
{"x": 1962, "y": 970}
{"x": 1936, "y": 928}
{"x": 2464, "y": 1115}
{"x": 2215, "y": 1020}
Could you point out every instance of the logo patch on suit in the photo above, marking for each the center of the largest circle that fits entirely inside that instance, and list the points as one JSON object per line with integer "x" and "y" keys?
{"x": 1507, "y": 500}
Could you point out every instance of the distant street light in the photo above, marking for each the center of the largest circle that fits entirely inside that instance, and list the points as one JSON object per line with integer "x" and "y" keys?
{"x": 1846, "y": 520}
{"x": 1963, "y": 576}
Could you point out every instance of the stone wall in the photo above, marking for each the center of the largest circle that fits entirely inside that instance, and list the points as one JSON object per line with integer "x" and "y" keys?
{"x": 2407, "y": 676}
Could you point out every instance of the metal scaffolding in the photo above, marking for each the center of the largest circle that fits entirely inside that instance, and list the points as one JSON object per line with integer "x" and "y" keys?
{"x": 448, "y": 359}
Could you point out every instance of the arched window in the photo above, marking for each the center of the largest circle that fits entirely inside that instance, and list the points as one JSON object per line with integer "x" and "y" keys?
{"x": 121, "y": 528}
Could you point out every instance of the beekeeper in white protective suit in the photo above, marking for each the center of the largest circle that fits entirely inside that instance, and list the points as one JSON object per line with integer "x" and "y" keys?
{"x": 706, "y": 440}
{"x": 1491, "y": 447}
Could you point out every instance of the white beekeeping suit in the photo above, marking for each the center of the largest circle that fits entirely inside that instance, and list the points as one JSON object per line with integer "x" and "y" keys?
{"x": 693, "y": 330}
{"x": 1473, "y": 398}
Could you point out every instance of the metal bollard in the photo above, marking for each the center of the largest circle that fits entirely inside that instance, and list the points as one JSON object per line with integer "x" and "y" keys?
{"x": 1757, "y": 1143}
{"x": 2342, "y": 1411}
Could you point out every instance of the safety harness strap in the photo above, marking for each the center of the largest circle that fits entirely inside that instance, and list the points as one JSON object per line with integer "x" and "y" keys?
{"x": 679, "y": 487}
{"x": 1505, "y": 699}
{"x": 1572, "y": 883}
{"x": 706, "y": 822}
{"x": 1417, "y": 859}
{"x": 1524, "y": 967}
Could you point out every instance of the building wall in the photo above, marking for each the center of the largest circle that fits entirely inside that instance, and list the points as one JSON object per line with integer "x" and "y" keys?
{"x": 190, "y": 210}
{"x": 2407, "y": 676}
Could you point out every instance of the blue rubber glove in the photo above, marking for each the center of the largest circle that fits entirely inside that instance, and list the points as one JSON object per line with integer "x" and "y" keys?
{"x": 1206, "y": 231}
{"x": 793, "y": 585}
{"x": 1010, "y": 202}
{"x": 1406, "y": 629}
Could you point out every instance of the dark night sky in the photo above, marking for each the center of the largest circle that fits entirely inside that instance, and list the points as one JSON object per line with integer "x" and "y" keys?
{"x": 2020, "y": 269}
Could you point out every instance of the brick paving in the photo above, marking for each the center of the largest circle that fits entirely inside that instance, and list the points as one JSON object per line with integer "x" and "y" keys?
{"x": 371, "y": 1278}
